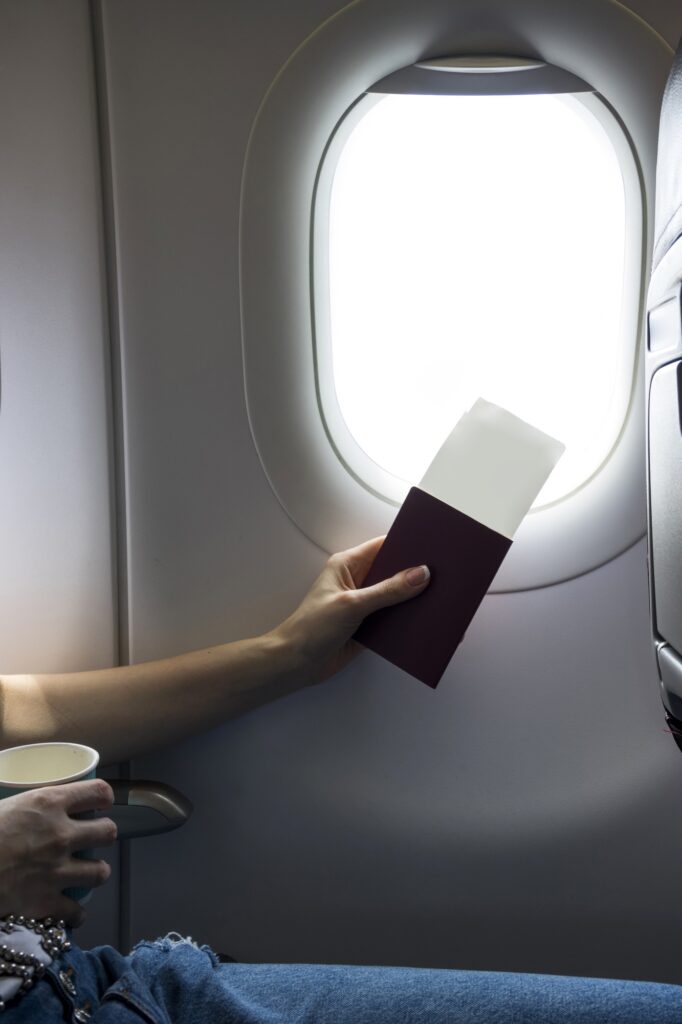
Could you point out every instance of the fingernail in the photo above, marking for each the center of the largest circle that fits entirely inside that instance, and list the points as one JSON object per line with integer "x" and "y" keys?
{"x": 418, "y": 575}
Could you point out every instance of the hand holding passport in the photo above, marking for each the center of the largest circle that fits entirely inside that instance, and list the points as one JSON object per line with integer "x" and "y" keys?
{"x": 460, "y": 522}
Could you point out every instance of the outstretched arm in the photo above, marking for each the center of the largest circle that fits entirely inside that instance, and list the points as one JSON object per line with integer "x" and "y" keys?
{"x": 126, "y": 711}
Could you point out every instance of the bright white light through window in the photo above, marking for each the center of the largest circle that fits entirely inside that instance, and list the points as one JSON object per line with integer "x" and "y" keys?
{"x": 477, "y": 248}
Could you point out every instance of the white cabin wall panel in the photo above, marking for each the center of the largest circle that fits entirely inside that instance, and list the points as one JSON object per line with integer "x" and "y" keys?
{"x": 518, "y": 817}
{"x": 665, "y": 16}
{"x": 205, "y": 542}
{"x": 57, "y": 583}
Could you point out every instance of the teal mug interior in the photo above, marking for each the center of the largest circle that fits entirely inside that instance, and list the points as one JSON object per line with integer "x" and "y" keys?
{"x": 36, "y": 765}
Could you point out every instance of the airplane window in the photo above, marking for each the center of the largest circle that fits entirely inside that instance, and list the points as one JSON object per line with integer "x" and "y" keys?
{"x": 475, "y": 245}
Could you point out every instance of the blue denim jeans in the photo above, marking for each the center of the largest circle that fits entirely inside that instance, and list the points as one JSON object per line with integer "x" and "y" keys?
{"x": 172, "y": 980}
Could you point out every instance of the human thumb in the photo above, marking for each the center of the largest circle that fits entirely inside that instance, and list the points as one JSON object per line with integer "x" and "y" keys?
{"x": 401, "y": 587}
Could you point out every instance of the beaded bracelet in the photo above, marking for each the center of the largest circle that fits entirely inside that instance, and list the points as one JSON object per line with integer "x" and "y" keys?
{"x": 26, "y": 967}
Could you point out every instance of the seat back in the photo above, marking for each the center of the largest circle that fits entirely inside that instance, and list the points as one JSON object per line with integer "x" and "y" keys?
{"x": 663, "y": 367}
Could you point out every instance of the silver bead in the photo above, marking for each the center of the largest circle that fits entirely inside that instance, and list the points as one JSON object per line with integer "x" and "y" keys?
{"x": 67, "y": 983}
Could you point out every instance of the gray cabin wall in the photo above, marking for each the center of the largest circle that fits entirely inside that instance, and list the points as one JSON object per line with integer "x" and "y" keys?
{"x": 520, "y": 817}
{"x": 523, "y": 816}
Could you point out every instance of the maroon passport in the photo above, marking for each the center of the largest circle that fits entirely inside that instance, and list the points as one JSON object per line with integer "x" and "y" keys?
{"x": 421, "y": 635}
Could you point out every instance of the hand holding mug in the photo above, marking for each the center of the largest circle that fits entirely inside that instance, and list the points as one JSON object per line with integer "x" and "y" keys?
{"x": 41, "y": 836}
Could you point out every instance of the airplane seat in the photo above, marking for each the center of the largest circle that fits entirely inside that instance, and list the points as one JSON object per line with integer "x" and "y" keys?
{"x": 663, "y": 368}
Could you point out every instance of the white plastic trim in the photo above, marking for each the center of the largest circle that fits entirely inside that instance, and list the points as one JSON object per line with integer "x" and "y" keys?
{"x": 599, "y": 41}
{"x": 481, "y": 65}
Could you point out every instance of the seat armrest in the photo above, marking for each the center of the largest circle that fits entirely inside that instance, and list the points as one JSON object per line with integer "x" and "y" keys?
{"x": 146, "y": 808}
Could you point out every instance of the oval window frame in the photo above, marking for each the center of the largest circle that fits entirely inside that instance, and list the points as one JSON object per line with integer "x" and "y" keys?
{"x": 347, "y": 54}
